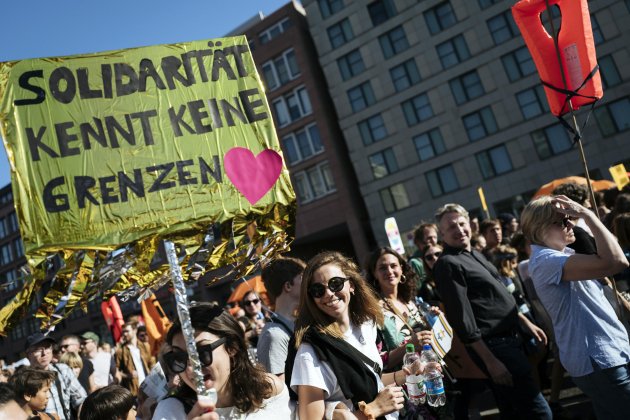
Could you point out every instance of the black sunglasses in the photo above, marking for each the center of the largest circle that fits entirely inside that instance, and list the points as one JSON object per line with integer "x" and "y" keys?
{"x": 564, "y": 223}
{"x": 335, "y": 284}
{"x": 249, "y": 302}
{"x": 431, "y": 257}
{"x": 177, "y": 360}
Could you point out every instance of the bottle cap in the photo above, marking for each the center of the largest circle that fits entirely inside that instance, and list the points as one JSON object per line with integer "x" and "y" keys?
{"x": 426, "y": 347}
{"x": 410, "y": 348}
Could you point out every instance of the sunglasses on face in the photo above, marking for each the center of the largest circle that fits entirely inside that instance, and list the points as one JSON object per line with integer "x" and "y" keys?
{"x": 177, "y": 360}
{"x": 250, "y": 302}
{"x": 564, "y": 223}
{"x": 335, "y": 284}
{"x": 432, "y": 257}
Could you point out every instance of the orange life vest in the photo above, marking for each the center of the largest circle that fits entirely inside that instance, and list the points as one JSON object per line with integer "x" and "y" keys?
{"x": 156, "y": 321}
{"x": 113, "y": 317}
{"x": 577, "y": 52}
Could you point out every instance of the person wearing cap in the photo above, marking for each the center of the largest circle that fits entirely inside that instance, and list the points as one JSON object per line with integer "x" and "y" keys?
{"x": 66, "y": 394}
{"x": 101, "y": 361}
{"x": 71, "y": 344}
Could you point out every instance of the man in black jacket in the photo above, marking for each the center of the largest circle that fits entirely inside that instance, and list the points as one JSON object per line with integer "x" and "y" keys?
{"x": 486, "y": 319}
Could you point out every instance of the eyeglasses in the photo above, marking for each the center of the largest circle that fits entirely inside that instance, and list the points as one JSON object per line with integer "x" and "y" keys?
{"x": 41, "y": 349}
{"x": 250, "y": 302}
{"x": 434, "y": 256}
{"x": 177, "y": 360}
{"x": 335, "y": 284}
{"x": 564, "y": 223}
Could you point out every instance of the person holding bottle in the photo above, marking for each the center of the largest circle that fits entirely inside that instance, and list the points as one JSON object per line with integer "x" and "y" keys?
{"x": 395, "y": 282}
{"x": 335, "y": 357}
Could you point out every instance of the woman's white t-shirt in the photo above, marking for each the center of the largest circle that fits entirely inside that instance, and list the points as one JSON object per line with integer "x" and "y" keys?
{"x": 276, "y": 407}
{"x": 309, "y": 370}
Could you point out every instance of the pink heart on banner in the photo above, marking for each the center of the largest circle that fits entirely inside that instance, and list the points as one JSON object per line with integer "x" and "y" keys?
{"x": 252, "y": 175}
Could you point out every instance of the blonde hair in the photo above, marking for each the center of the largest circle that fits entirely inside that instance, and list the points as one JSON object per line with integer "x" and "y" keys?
{"x": 363, "y": 305}
{"x": 72, "y": 359}
{"x": 538, "y": 215}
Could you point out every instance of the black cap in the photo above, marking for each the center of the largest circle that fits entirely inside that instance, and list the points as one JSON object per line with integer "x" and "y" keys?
{"x": 506, "y": 217}
{"x": 37, "y": 338}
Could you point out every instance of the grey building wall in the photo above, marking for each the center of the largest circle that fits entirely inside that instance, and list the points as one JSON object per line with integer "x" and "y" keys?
{"x": 519, "y": 152}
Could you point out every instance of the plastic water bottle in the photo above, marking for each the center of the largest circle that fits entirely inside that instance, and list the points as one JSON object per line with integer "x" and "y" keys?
{"x": 415, "y": 385}
{"x": 432, "y": 377}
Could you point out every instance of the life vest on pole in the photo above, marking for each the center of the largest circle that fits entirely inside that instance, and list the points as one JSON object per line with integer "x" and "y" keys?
{"x": 576, "y": 48}
{"x": 113, "y": 317}
{"x": 156, "y": 321}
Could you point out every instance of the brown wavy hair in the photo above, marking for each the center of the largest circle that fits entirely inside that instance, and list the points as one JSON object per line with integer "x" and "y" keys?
{"x": 248, "y": 383}
{"x": 406, "y": 289}
{"x": 363, "y": 305}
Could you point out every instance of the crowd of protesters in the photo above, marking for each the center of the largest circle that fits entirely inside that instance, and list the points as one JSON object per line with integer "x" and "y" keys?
{"x": 330, "y": 342}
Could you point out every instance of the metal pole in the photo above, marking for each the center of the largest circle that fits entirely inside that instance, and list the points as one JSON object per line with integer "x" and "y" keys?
{"x": 181, "y": 301}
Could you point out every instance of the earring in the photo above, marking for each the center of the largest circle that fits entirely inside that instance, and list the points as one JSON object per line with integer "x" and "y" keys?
{"x": 403, "y": 279}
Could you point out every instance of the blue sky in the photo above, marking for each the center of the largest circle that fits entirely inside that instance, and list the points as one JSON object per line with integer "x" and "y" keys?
{"x": 43, "y": 28}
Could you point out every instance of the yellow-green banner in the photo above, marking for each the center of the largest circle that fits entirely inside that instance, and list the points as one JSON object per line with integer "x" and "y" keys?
{"x": 109, "y": 148}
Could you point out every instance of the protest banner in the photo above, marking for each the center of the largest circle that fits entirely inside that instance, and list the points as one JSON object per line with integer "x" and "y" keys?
{"x": 119, "y": 150}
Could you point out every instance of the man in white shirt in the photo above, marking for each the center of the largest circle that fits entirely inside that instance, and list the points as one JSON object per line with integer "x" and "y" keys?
{"x": 101, "y": 361}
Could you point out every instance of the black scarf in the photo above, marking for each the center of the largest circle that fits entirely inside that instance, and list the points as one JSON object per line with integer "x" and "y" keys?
{"x": 355, "y": 378}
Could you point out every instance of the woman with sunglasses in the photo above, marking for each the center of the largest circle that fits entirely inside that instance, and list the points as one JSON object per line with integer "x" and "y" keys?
{"x": 254, "y": 319}
{"x": 395, "y": 282}
{"x": 428, "y": 291}
{"x": 337, "y": 360}
{"x": 244, "y": 391}
{"x": 592, "y": 343}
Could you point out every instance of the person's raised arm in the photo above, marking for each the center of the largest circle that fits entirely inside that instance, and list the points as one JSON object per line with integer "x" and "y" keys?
{"x": 609, "y": 259}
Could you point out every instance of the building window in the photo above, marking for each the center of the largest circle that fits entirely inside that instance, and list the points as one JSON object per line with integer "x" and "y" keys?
{"x": 350, "y": 64}
{"x": 417, "y": 109}
{"x": 13, "y": 223}
{"x": 292, "y": 106}
{"x": 628, "y": 5}
{"x": 329, "y": 7}
{"x": 442, "y": 180}
{"x": 394, "y": 198}
{"x": 6, "y": 197}
{"x": 372, "y": 129}
{"x": 393, "y": 42}
{"x": 480, "y": 124}
{"x": 598, "y": 37}
{"x": 3, "y": 228}
{"x": 466, "y": 87}
{"x": 404, "y": 75}
{"x": 532, "y": 102}
{"x": 502, "y": 27}
{"x": 6, "y": 256}
{"x": 340, "y": 33}
{"x": 608, "y": 71}
{"x": 19, "y": 247}
{"x": 453, "y": 51}
{"x": 429, "y": 144}
{"x": 281, "y": 70}
{"x": 383, "y": 163}
{"x": 495, "y": 161}
{"x": 274, "y": 31}
{"x": 314, "y": 183}
{"x": 361, "y": 96}
{"x": 440, "y": 17}
{"x": 302, "y": 144}
{"x": 381, "y": 10}
{"x": 613, "y": 117}
{"x": 518, "y": 64}
{"x": 551, "y": 141}
{"x": 484, "y": 4}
